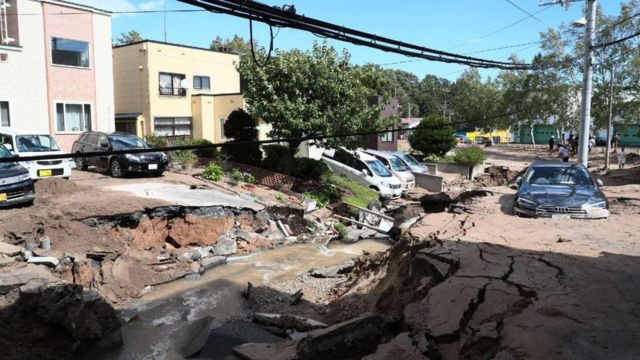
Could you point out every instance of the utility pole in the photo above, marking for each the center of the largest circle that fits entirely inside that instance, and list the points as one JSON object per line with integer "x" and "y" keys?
{"x": 610, "y": 115}
{"x": 587, "y": 87}
{"x": 587, "y": 79}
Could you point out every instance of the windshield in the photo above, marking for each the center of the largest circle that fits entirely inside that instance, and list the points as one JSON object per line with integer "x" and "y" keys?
{"x": 126, "y": 142}
{"x": 4, "y": 153}
{"x": 409, "y": 160}
{"x": 377, "y": 167}
{"x": 565, "y": 176}
{"x": 397, "y": 165}
{"x": 36, "y": 143}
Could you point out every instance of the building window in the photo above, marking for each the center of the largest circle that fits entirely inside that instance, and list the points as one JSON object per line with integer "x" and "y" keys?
{"x": 221, "y": 122}
{"x": 69, "y": 52}
{"x": 172, "y": 126}
{"x": 172, "y": 84}
{"x": 9, "y": 23}
{"x": 4, "y": 114}
{"x": 73, "y": 117}
{"x": 387, "y": 137}
{"x": 201, "y": 82}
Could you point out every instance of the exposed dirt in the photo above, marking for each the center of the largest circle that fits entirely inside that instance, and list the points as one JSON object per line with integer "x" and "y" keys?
{"x": 496, "y": 176}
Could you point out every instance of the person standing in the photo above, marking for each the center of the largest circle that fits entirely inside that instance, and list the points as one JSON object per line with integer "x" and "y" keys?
{"x": 615, "y": 142}
{"x": 564, "y": 153}
{"x": 552, "y": 143}
{"x": 622, "y": 157}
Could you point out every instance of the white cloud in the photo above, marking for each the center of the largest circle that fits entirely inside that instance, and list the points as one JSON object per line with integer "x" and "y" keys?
{"x": 123, "y": 5}
{"x": 151, "y": 5}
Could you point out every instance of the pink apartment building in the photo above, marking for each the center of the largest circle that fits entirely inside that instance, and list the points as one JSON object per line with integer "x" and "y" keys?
{"x": 56, "y": 73}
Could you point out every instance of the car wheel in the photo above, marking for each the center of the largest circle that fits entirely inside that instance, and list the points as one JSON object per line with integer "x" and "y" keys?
{"x": 115, "y": 170}
{"x": 81, "y": 163}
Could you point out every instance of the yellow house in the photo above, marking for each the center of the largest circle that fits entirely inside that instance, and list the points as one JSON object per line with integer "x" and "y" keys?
{"x": 498, "y": 136}
{"x": 175, "y": 90}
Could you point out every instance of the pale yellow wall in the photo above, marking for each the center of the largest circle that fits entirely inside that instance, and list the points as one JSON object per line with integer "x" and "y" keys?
{"x": 202, "y": 108}
{"x": 131, "y": 84}
{"x": 220, "y": 67}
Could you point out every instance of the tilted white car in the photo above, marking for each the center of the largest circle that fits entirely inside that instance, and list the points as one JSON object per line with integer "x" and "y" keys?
{"x": 397, "y": 168}
{"x": 365, "y": 169}
{"x": 34, "y": 144}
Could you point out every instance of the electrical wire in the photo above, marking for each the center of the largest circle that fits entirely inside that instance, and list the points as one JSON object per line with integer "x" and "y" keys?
{"x": 280, "y": 18}
{"x": 523, "y": 10}
{"x": 252, "y": 45}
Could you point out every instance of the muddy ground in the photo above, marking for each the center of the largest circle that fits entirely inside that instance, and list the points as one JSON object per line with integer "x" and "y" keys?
{"x": 469, "y": 280}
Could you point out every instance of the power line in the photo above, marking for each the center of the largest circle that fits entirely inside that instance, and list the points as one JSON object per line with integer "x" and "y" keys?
{"x": 523, "y": 10}
{"x": 498, "y": 30}
{"x": 280, "y": 18}
{"x": 505, "y": 47}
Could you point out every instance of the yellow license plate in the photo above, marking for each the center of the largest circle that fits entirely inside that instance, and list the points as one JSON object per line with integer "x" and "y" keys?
{"x": 47, "y": 172}
{"x": 3, "y": 197}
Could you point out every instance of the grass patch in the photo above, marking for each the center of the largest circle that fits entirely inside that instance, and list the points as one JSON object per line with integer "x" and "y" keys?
{"x": 356, "y": 193}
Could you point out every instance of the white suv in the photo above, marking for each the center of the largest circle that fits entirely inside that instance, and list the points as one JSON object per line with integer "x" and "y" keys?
{"x": 365, "y": 169}
{"x": 33, "y": 144}
{"x": 397, "y": 168}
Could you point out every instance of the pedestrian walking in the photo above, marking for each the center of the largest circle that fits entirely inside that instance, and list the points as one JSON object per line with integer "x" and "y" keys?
{"x": 622, "y": 157}
{"x": 564, "y": 153}
{"x": 592, "y": 143}
{"x": 552, "y": 143}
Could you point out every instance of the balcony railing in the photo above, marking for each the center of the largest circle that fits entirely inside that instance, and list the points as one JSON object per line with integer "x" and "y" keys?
{"x": 172, "y": 91}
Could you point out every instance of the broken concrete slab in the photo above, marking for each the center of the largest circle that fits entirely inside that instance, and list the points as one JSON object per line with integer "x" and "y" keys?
{"x": 287, "y": 321}
{"x": 405, "y": 346}
{"x": 212, "y": 261}
{"x": 16, "y": 276}
{"x": 286, "y": 350}
{"x": 223, "y": 339}
{"x": 225, "y": 246}
{"x": 44, "y": 260}
{"x": 9, "y": 249}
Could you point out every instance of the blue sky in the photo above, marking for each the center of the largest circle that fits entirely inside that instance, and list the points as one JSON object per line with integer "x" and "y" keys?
{"x": 458, "y": 26}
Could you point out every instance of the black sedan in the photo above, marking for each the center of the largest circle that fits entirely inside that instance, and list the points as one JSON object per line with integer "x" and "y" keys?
{"x": 16, "y": 186}
{"x": 560, "y": 190}
{"x": 153, "y": 163}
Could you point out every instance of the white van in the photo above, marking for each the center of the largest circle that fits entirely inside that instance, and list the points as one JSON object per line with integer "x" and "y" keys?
{"x": 365, "y": 169}
{"x": 34, "y": 144}
{"x": 397, "y": 168}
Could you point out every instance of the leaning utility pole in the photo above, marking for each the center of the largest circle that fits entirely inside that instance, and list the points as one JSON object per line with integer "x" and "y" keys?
{"x": 587, "y": 87}
{"x": 610, "y": 115}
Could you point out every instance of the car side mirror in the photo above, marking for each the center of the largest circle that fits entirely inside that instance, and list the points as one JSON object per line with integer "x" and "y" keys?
{"x": 8, "y": 147}
{"x": 104, "y": 145}
{"x": 599, "y": 183}
{"x": 366, "y": 172}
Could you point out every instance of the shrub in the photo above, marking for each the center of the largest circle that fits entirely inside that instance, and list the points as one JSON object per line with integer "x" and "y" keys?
{"x": 185, "y": 158}
{"x": 207, "y": 153}
{"x": 277, "y": 158}
{"x": 439, "y": 159}
{"x": 249, "y": 178}
{"x": 305, "y": 168}
{"x": 341, "y": 229}
{"x": 236, "y": 176}
{"x": 240, "y": 127}
{"x": 323, "y": 194}
{"x": 434, "y": 135}
{"x": 155, "y": 141}
{"x": 281, "y": 197}
{"x": 470, "y": 156}
{"x": 213, "y": 172}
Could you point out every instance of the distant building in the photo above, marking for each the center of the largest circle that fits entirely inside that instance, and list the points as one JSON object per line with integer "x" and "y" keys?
{"x": 55, "y": 68}
{"x": 387, "y": 141}
{"x": 175, "y": 90}
{"x": 497, "y": 136}
{"x": 403, "y": 136}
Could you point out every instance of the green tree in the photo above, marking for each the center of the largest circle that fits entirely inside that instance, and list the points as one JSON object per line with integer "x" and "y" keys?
{"x": 129, "y": 37}
{"x": 477, "y": 105}
{"x": 434, "y": 135}
{"x": 237, "y": 45}
{"x": 241, "y": 127}
{"x": 434, "y": 96}
{"x": 312, "y": 93}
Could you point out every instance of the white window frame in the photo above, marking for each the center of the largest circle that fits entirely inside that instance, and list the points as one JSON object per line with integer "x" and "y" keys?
{"x": 70, "y": 66}
{"x": 221, "y": 121}
{"x": 65, "y": 103}
{"x": 9, "y": 106}
{"x": 384, "y": 137}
